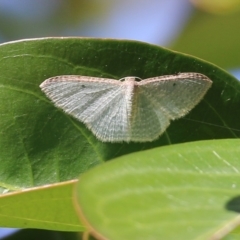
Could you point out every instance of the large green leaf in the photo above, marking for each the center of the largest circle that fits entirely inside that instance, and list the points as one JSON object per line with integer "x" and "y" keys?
{"x": 41, "y": 145}
{"x": 184, "y": 191}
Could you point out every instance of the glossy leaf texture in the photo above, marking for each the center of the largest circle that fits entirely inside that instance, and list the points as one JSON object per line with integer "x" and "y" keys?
{"x": 41, "y": 145}
{"x": 184, "y": 191}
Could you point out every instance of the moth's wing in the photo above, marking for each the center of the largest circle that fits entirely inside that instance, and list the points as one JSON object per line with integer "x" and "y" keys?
{"x": 98, "y": 102}
{"x": 165, "y": 98}
{"x": 147, "y": 121}
{"x": 176, "y": 95}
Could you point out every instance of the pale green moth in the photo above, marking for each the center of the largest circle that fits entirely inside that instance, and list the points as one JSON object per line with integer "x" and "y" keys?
{"x": 127, "y": 110}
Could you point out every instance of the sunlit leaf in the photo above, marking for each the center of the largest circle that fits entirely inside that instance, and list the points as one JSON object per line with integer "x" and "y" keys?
{"x": 184, "y": 191}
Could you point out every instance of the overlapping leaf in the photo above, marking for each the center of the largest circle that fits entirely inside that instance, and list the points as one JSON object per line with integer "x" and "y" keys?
{"x": 184, "y": 191}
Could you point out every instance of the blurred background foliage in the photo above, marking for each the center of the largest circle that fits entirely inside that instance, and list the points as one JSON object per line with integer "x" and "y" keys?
{"x": 215, "y": 38}
{"x": 203, "y": 28}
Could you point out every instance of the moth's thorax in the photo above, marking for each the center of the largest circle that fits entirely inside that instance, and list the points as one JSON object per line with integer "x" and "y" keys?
{"x": 129, "y": 83}
{"x": 129, "y": 86}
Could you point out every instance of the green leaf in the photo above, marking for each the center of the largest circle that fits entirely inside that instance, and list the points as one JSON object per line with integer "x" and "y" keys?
{"x": 185, "y": 191}
{"x": 47, "y": 207}
{"x": 42, "y": 145}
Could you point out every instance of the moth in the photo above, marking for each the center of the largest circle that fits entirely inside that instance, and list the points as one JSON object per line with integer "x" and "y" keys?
{"x": 129, "y": 109}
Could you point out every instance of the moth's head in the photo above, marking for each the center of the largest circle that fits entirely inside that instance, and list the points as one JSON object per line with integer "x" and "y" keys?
{"x": 131, "y": 79}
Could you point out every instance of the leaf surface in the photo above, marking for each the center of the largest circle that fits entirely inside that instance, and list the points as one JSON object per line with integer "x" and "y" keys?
{"x": 185, "y": 191}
